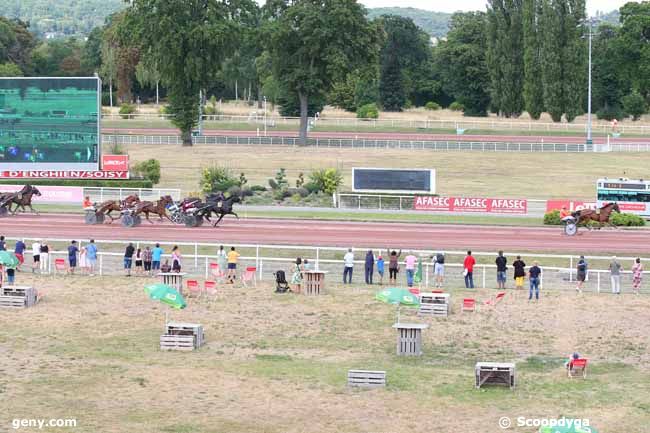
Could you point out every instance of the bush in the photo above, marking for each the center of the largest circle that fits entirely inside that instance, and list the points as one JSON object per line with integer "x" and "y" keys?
{"x": 217, "y": 178}
{"x": 280, "y": 181}
{"x": 634, "y": 104}
{"x": 116, "y": 149}
{"x": 257, "y": 188}
{"x": 368, "y": 111}
{"x": 552, "y": 218}
{"x": 327, "y": 180}
{"x": 432, "y": 106}
{"x": 312, "y": 187}
{"x": 273, "y": 184}
{"x": 126, "y": 109}
{"x": 97, "y": 183}
{"x": 106, "y": 99}
{"x": 246, "y": 192}
{"x": 610, "y": 113}
{"x": 163, "y": 110}
{"x": 627, "y": 220}
{"x": 456, "y": 106}
{"x": 234, "y": 190}
{"x": 301, "y": 180}
{"x": 302, "y": 191}
{"x": 149, "y": 169}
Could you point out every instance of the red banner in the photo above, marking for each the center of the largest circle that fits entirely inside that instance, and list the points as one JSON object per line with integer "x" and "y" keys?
{"x": 464, "y": 204}
{"x": 115, "y": 162}
{"x": 64, "y": 174}
{"x": 571, "y": 205}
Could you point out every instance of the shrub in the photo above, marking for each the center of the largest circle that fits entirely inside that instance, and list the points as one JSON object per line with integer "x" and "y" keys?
{"x": 300, "y": 181}
{"x": 432, "y": 106}
{"x": 258, "y": 188}
{"x": 116, "y": 149}
{"x": 126, "y": 109}
{"x": 303, "y": 192}
{"x": 456, "y": 106}
{"x": 163, "y": 110}
{"x": 627, "y": 220}
{"x": 246, "y": 192}
{"x": 328, "y": 180}
{"x": 242, "y": 179}
{"x": 368, "y": 111}
{"x": 216, "y": 178}
{"x": 106, "y": 99}
{"x": 552, "y": 218}
{"x": 281, "y": 193}
{"x": 273, "y": 184}
{"x": 149, "y": 169}
{"x": 296, "y": 198}
{"x": 610, "y": 112}
{"x": 234, "y": 190}
{"x": 634, "y": 104}
{"x": 312, "y": 187}
{"x": 280, "y": 181}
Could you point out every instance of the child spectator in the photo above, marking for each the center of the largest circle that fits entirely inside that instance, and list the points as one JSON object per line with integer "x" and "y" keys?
{"x": 380, "y": 269}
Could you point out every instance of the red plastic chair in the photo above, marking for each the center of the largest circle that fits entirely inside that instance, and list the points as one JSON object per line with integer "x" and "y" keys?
{"x": 496, "y": 300}
{"x": 469, "y": 304}
{"x": 194, "y": 288}
{"x": 414, "y": 291}
{"x": 577, "y": 368}
{"x": 249, "y": 276}
{"x": 217, "y": 272}
{"x": 210, "y": 288}
{"x": 60, "y": 266}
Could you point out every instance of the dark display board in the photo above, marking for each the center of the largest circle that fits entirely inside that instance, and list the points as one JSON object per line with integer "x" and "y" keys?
{"x": 393, "y": 180}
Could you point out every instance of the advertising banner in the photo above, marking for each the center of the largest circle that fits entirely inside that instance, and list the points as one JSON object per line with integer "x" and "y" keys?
{"x": 64, "y": 174}
{"x": 115, "y": 162}
{"x": 51, "y": 194}
{"x": 571, "y": 205}
{"x": 466, "y": 204}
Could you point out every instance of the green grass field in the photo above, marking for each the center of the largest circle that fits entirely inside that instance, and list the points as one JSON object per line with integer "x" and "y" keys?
{"x": 278, "y": 363}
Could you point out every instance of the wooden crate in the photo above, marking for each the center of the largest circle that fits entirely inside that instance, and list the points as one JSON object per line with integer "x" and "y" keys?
{"x": 23, "y": 296}
{"x": 434, "y": 304}
{"x": 495, "y": 373}
{"x": 187, "y": 329}
{"x": 409, "y": 338}
{"x": 177, "y": 342}
{"x": 366, "y": 378}
{"x": 314, "y": 282}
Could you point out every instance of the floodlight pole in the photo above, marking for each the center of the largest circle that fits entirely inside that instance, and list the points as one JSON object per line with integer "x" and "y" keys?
{"x": 590, "y": 140}
{"x": 265, "y": 116}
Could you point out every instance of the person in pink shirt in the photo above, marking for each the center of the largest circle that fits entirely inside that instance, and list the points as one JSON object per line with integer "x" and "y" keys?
{"x": 410, "y": 262}
{"x": 468, "y": 265}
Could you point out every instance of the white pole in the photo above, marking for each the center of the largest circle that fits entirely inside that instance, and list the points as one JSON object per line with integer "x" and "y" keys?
{"x": 589, "y": 136}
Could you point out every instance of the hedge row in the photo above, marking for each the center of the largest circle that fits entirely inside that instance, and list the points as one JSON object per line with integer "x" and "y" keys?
{"x": 121, "y": 183}
{"x": 618, "y": 219}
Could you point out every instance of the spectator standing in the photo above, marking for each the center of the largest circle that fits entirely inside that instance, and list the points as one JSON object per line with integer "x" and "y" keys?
{"x": 306, "y": 266}
{"x": 83, "y": 260}
{"x": 128, "y": 258}
{"x": 581, "y": 273}
{"x": 296, "y": 277}
{"x": 138, "y": 261}
{"x": 520, "y": 272}
{"x": 409, "y": 264}
{"x": 439, "y": 269}
{"x": 45, "y": 257}
{"x": 370, "y": 266}
{"x": 615, "y": 269}
{"x": 156, "y": 256}
{"x": 176, "y": 259}
{"x": 468, "y": 270}
{"x": 637, "y": 276}
{"x": 380, "y": 269}
{"x": 147, "y": 256}
{"x": 3, "y": 244}
{"x": 233, "y": 256}
{"x": 19, "y": 251}
{"x": 222, "y": 259}
{"x": 72, "y": 256}
{"x": 534, "y": 280}
{"x": 11, "y": 276}
{"x": 502, "y": 267}
{"x": 91, "y": 257}
{"x": 36, "y": 255}
{"x": 348, "y": 266}
{"x": 393, "y": 265}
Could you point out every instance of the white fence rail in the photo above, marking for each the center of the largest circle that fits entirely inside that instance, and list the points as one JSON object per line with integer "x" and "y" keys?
{"x": 447, "y": 146}
{"x": 448, "y": 124}
{"x": 197, "y": 264}
{"x": 99, "y": 195}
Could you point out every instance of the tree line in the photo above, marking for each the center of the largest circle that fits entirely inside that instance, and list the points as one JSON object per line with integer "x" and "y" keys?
{"x": 520, "y": 56}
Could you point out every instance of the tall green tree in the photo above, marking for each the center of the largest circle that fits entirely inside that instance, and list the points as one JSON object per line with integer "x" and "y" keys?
{"x": 505, "y": 57}
{"x": 16, "y": 43}
{"x": 609, "y": 86}
{"x": 91, "y": 54}
{"x": 461, "y": 62}
{"x": 634, "y": 45}
{"x": 10, "y": 70}
{"x": 127, "y": 56}
{"x": 314, "y": 43}
{"x": 189, "y": 41}
{"x": 533, "y": 90}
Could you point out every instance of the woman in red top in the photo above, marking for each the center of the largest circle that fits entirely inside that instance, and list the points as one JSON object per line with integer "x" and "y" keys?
{"x": 468, "y": 264}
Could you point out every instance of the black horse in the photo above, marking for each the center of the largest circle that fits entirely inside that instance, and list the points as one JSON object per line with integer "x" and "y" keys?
{"x": 21, "y": 199}
{"x": 221, "y": 211}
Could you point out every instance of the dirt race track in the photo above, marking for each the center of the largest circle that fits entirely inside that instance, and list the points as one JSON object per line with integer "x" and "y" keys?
{"x": 342, "y": 234}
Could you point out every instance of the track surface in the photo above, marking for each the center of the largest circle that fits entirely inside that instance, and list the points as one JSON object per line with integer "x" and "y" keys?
{"x": 342, "y": 234}
{"x": 390, "y": 136}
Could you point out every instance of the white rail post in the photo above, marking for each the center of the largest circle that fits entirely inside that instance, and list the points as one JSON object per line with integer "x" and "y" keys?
{"x": 101, "y": 264}
{"x": 260, "y": 269}
{"x": 484, "y": 272}
{"x": 196, "y": 255}
{"x": 206, "y": 267}
{"x": 257, "y": 256}
{"x": 571, "y": 269}
{"x": 317, "y": 258}
{"x": 598, "y": 284}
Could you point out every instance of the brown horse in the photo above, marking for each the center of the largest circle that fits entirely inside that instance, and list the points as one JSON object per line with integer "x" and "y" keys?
{"x": 130, "y": 201}
{"x": 109, "y": 206}
{"x": 600, "y": 216}
{"x": 159, "y": 208}
{"x": 23, "y": 198}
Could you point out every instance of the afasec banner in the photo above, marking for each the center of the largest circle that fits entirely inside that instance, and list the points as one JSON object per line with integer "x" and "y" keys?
{"x": 51, "y": 194}
{"x": 466, "y": 204}
{"x": 115, "y": 162}
{"x": 64, "y": 174}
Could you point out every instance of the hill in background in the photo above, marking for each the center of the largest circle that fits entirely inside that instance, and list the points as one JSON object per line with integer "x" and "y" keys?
{"x": 434, "y": 23}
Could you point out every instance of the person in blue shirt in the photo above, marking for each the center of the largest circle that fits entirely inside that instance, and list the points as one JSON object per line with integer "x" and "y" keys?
{"x": 380, "y": 269}
{"x": 19, "y": 251}
{"x": 72, "y": 256}
{"x": 91, "y": 257}
{"x": 156, "y": 255}
{"x": 534, "y": 279}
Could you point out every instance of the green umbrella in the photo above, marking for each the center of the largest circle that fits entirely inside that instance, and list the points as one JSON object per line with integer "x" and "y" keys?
{"x": 564, "y": 429}
{"x": 418, "y": 274}
{"x": 166, "y": 294}
{"x": 8, "y": 259}
{"x": 399, "y": 297}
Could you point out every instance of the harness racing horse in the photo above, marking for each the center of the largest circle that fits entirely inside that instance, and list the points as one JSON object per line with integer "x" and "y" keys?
{"x": 117, "y": 206}
{"x": 22, "y": 198}
{"x": 159, "y": 208}
{"x": 130, "y": 201}
{"x": 223, "y": 210}
{"x": 600, "y": 216}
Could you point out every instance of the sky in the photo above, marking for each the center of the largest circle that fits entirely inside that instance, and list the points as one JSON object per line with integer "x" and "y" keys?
{"x": 467, "y": 5}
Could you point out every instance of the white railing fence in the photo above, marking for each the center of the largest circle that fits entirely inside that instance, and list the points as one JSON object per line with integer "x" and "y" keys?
{"x": 99, "y": 195}
{"x": 197, "y": 264}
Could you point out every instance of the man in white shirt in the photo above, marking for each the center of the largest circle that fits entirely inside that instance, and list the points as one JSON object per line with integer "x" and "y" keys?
{"x": 348, "y": 261}
{"x": 36, "y": 256}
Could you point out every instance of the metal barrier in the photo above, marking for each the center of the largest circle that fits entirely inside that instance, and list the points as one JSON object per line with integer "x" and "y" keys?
{"x": 99, "y": 194}
{"x": 447, "y": 146}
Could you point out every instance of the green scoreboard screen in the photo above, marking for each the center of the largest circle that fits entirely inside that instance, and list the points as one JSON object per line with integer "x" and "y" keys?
{"x": 50, "y": 123}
